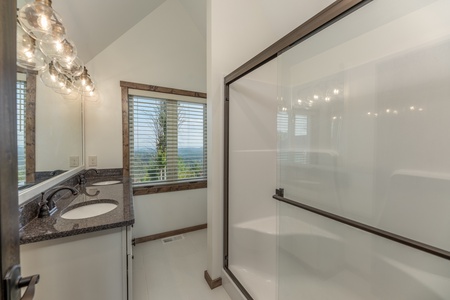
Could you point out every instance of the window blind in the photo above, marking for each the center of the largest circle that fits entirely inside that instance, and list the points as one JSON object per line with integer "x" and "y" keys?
{"x": 21, "y": 92}
{"x": 167, "y": 140}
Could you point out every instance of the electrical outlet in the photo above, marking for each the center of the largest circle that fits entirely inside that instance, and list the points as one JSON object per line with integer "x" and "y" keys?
{"x": 74, "y": 161}
{"x": 92, "y": 161}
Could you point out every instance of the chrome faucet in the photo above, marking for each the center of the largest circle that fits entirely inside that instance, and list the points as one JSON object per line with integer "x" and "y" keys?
{"x": 82, "y": 177}
{"x": 48, "y": 206}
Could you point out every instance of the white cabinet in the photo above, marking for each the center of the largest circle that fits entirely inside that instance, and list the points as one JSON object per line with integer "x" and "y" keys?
{"x": 86, "y": 266}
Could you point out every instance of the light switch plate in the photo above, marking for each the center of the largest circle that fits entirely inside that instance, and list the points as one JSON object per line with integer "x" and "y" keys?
{"x": 74, "y": 161}
{"x": 92, "y": 161}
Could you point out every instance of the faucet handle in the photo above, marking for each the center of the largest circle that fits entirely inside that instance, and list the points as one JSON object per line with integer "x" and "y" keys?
{"x": 81, "y": 179}
{"x": 44, "y": 210}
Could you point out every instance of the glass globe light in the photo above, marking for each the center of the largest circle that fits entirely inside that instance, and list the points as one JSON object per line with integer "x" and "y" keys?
{"x": 39, "y": 20}
{"x": 73, "y": 95}
{"x": 73, "y": 69}
{"x": 64, "y": 51}
{"x": 91, "y": 96}
{"x": 89, "y": 86}
{"x": 51, "y": 77}
{"x": 84, "y": 82}
{"x": 65, "y": 86}
{"x": 28, "y": 55}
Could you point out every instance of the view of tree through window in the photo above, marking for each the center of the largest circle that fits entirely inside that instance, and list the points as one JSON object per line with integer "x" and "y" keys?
{"x": 167, "y": 140}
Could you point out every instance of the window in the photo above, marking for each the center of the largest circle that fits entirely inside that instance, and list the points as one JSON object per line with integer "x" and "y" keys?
{"x": 164, "y": 138}
{"x": 21, "y": 91}
{"x": 301, "y": 125}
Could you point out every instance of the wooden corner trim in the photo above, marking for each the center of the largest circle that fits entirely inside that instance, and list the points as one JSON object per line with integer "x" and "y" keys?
{"x": 213, "y": 283}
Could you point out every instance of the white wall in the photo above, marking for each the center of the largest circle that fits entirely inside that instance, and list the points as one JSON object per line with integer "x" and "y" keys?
{"x": 169, "y": 211}
{"x": 165, "y": 49}
{"x": 58, "y": 129}
{"x": 237, "y": 31}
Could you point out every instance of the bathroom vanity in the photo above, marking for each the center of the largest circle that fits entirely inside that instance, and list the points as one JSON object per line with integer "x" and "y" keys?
{"x": 86, "y": 257}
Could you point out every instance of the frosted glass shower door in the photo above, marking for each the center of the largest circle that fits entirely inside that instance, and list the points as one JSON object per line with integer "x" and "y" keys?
{"x": 363, "y": 134}
{"x": 252, "y": 181}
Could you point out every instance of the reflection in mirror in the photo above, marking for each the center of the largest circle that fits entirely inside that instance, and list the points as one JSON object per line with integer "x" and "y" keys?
{"x": 49, "y": 130}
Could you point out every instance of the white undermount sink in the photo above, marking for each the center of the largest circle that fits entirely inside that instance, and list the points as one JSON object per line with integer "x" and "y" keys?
{"x": 107, "y": 182}
{"x": 89, "y": 209}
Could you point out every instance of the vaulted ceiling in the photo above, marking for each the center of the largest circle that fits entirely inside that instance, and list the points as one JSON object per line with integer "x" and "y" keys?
{"x": 94, "y": 24}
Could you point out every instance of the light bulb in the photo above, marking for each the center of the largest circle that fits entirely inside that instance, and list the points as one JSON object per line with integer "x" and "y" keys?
{"x": 44, "y": 22}
{"x": 72, "y": 69}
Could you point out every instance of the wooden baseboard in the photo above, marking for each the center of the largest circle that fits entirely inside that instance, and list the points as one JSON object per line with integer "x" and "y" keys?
{"x": 167, "y": 234}
{"x": 212, "y": 283}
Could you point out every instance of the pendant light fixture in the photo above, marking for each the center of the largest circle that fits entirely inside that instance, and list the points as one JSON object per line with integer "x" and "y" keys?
{"x": 42, "y": 46}
{"x": 41, "y": 22}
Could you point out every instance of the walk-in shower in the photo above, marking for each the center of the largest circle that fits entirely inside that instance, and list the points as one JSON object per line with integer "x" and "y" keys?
{"x": 337, "y": 169}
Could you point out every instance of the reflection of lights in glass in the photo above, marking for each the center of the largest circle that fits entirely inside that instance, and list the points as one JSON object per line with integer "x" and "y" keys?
{"x": 41, "y": 22}
{"x": 395, "y": 112}
{"x": 412, "y": 108}
{"x": 316, "y": 97}
{"x": 334, "y": 118}
{"x": 388, "y": 110}
{"x": 327, "y": 99}
{"x": 369, "y": 113}
{"x": 376, "y": 115}
{"x": 28, "y": 55}
{"x": 283, "y": 109}
{"x": 336, "y": 91}
{"x": 299, "y": 101}
{"x": 64, "y": 51}
{"x": 72, "y": 69}
{"x": 420, "y": 109}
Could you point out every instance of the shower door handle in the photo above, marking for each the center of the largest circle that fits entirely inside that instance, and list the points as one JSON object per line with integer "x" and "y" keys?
{"x": 14, "y": 282}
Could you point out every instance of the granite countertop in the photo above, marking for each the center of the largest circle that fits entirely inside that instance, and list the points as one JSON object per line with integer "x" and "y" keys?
{"x": 52, "y": 227}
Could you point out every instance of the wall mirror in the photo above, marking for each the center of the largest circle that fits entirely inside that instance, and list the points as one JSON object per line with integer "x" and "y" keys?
{"x": 50, "y": 135}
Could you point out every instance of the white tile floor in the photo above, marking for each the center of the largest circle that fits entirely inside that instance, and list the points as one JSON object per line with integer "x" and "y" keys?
{"x": 173, "y": 271}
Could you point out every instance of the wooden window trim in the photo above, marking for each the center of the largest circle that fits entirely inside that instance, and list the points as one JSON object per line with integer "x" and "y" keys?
{"x": 150, "y": 188}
